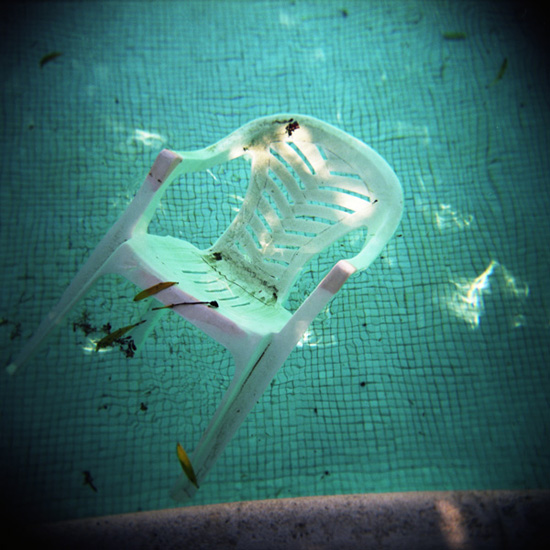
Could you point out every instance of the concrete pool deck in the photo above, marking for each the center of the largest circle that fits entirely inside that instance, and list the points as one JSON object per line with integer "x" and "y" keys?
{"x": 446, "y": 519}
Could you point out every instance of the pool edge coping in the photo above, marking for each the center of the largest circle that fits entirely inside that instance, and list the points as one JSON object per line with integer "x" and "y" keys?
{"x": 434, "y": 519}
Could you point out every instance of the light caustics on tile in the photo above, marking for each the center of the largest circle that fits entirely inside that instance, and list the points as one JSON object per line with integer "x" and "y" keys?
{"x": 466, "y": 301}
{"x": 149, "y": 139}
{"x": 312, "y": 339}
{"x": 448, "y": 218}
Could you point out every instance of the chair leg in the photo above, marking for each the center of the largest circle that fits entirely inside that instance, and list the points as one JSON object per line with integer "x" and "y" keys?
{"x": 250, "y": 383}
{"x": 135, "y": 218}
{"x": 76, "y": 291}
{"x": 244, "y": 391}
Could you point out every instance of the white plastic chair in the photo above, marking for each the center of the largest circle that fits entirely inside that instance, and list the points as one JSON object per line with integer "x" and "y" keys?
{"x": 310, "y": 184}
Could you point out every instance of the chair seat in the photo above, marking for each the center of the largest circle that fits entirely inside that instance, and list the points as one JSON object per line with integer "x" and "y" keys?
{"x": 204, "y": 281}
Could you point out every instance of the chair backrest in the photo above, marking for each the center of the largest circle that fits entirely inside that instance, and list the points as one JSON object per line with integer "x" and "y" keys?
{"x": 310, "y": 185}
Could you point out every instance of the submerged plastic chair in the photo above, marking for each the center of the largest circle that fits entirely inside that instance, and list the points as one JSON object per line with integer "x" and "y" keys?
{"x": 310, "y": 185}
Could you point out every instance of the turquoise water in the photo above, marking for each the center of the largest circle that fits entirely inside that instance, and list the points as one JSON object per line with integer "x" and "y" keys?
{"x": 427, "y": 372}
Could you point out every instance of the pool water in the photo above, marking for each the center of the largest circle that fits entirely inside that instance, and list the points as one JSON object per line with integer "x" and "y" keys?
{"x": 427, "y": 372}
